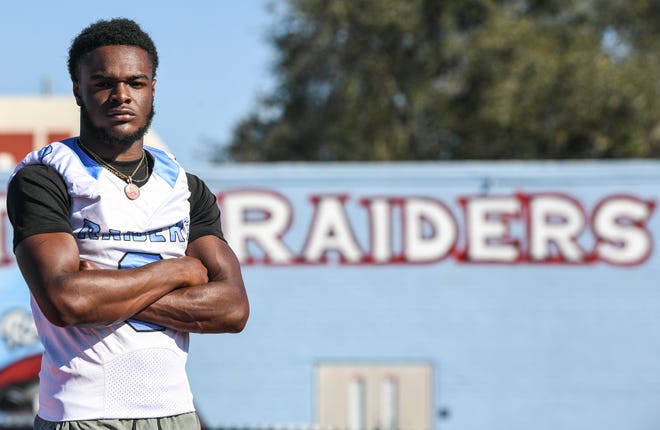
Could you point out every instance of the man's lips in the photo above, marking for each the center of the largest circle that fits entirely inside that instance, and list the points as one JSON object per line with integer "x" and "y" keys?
{"x": 121, "y": 115}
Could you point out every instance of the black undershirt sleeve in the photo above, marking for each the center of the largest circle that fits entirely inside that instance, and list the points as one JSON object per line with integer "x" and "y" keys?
{"x": 204, "y": 210}
{"x": 38, "y": 202}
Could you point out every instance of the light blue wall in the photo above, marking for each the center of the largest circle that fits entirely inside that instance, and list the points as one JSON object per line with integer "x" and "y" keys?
{"x": 513, "y": 346}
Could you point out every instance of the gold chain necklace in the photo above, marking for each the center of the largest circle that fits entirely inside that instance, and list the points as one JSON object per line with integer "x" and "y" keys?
{"x": 131, "y": 190}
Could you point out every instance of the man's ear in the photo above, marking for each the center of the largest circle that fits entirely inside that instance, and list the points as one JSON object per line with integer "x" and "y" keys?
{"x": 76, "y": 92}
{"x": 153, "y": 87}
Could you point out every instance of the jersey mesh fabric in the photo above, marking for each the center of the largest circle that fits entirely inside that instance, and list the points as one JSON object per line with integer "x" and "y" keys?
{"x": 134, "y": 395}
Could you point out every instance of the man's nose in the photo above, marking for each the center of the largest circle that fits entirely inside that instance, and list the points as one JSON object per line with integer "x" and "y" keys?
{"x": 121, "y": 93}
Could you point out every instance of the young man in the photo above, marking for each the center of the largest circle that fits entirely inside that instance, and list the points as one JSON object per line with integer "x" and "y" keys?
{"x": 121, "y": 249}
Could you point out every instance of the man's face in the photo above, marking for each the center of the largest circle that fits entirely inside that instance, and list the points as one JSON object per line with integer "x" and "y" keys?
{"x": 115, "y": 91}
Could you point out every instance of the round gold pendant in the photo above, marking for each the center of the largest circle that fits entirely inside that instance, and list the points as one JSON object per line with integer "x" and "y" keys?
{"x": 132, "y": 191}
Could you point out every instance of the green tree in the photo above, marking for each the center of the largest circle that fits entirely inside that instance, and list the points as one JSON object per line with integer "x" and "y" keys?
{"x": 459, "y": 79}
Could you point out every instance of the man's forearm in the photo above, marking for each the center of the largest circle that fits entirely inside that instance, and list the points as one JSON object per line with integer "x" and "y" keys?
{"x": 216, "y": 307}
{"x": 108, "y": 296}
{"x": 70, "y": 292}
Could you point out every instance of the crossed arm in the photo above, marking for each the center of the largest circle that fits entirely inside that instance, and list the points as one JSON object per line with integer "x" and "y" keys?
{"x": 202, "y": 292}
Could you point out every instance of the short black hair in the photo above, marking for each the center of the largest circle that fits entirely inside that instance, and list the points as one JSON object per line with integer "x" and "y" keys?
{"x": 117, "y": 31}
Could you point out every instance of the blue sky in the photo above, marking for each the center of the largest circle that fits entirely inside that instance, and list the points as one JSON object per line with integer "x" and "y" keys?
{"x": 215, "y": 59}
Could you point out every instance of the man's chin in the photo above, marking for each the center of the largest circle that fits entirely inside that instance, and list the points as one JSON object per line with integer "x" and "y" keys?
{"x": 123, "y": 139}
{"x": 125, "y": 133}
{"x": 119, "y": 136}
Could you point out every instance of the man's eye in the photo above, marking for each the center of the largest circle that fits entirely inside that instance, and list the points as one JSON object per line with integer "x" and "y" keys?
{"x": 138, "y": 84}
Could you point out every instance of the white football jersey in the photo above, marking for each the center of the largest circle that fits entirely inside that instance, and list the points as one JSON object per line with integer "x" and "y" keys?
{"x": 132, "y": 369}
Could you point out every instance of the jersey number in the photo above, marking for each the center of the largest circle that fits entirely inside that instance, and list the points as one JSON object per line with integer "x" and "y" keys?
{"x": 131, "y": 260}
